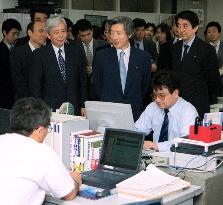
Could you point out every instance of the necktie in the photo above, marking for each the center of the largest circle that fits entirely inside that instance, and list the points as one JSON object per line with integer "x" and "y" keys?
{"x": 89, "y": 54}
{"x": 137, "y": 45}
{"x": 185, "y": 52}
{"x": 164, "y": 129}
{"x": 11, "y": 47}
{"x": 62, "y": 64}
{"x": 122, "y": 70}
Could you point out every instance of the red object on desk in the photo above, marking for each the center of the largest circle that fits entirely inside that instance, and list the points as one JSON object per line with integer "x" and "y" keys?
{"x": 206, "y": 133}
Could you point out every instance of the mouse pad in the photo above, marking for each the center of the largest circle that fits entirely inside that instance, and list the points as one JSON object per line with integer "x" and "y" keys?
{"x": 89, "y": 193}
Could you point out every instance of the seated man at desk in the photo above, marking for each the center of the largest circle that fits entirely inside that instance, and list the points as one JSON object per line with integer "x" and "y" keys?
{"x": 168, "y": 116}
{"x": 29, "y": 168}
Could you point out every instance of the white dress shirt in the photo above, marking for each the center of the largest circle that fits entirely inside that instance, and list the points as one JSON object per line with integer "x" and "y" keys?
{"x": 126, "y": 56}
{"x": 181, "y": 115}
{"x": 56, "y": 52}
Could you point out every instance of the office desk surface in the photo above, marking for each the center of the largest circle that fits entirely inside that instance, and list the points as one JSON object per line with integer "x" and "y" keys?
{"x": 184, "y": 197}
{"x": 211, "y": 182}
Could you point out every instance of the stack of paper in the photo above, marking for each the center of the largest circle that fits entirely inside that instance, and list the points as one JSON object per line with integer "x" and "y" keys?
{"x": 150, "y": 184}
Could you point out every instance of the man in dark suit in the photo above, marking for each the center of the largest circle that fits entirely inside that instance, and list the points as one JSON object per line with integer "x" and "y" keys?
{"x": 195, "y": 63}
{"x": 213, "y": 36}
{"x": 122, "y": 73}
{"x": 138, "y": 40}
{"x": 89, "y": 46}
{"x": 35, "y": 15}
{"x": 10, "y": 31}
{"x": 21, "y": 58}
{"x": 57, "y": 74}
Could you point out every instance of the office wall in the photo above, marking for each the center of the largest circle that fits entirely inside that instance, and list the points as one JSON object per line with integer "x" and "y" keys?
{"x": 4, "y": 4}
{"x": 214, "y": 11}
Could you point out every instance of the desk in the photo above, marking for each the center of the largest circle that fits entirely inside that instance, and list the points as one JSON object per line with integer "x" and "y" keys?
{"x": 184, "y": 197}
{"x": 210, "y": 182}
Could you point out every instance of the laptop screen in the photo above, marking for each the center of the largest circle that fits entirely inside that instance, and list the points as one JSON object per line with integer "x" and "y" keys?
{"x": 122, "y": 149}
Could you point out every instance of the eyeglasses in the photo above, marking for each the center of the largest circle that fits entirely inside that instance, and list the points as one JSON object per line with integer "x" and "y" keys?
{"x": 161, "y": 96}
{"x": 49, "y": 127}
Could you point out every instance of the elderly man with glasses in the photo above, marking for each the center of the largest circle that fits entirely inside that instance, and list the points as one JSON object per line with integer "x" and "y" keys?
{"x": 168, "y": 116}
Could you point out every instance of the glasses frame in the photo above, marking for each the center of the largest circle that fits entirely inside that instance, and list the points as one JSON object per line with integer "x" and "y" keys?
{"x": 161, "y": 96}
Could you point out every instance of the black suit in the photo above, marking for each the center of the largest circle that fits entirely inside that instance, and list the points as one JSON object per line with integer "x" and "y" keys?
{"x": 97, "y": 45}
{"x": 6, "y": 86}
{"x": 107, "y": 78}
{"x": 20, "y": 64}
{"x": 164, "y": 61}
{"x": 149, "y": 46}
{"x": 46, "y": 81}
{"x": 198, "y": 74}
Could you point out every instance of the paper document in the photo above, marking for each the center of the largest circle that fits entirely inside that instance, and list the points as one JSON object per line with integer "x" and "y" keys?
{"x": 152, "y": 183}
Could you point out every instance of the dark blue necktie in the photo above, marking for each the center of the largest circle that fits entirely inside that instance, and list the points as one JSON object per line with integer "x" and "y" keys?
{"x": 185, "y": 52}
{"x": 62, "y": 64}
{"x": 164, "y": 129}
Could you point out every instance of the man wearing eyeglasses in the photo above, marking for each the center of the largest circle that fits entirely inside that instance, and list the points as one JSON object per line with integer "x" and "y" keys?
{"x": 29, "y": 168}
{"x": 168, "y": 116}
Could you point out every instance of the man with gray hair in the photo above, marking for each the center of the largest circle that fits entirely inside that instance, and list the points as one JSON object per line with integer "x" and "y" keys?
{"x": 122, "y": 73}
{"x": 58, "y": 71}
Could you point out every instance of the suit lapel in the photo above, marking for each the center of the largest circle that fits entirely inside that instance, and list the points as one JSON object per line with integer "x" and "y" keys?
{"x": 131, "y": 67}
{"x": 53, "y": 60}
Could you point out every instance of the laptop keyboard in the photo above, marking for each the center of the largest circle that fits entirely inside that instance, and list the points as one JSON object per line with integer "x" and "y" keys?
{"x": 102, "y": 179}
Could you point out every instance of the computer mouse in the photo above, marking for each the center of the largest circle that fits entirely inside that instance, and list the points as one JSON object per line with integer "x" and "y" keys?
{"x": 103, "y": 193}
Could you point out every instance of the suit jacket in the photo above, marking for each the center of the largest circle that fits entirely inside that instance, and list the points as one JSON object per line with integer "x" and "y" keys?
{"x": 46, "y": 81}
{"x": 149, "y": 46}
{"x": 220, "y": 55}
{"x": 198, "y": 74}
{"x": 97, "y": 45}
{"x": 107, "y": 78}
{"x": 20, "y": 64}
{"x": 164, "y": 61}
{"x": 6, "y": 86}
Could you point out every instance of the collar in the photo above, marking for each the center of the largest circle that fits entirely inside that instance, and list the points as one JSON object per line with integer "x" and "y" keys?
{"x": 189, "y": 43}
{"x": 8, "y": 45}
{"x": 175, "y": 106}
{"x": 57, "y": 49}
{"x": 216, "y": 44}
{"x": 31, "y": 46}
{"x": 126, "y": 51}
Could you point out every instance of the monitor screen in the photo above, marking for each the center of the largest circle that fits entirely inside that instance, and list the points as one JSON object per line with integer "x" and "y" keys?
{"x": 107, "y": 114}
{"x": 122, "y": 149}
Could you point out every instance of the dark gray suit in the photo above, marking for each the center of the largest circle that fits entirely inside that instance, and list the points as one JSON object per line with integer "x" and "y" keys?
{"x": 198, "y": 74}
{"x": 20, "y": 64}
{"x": 107, "y": 78}
{"x": 46, "y": 81}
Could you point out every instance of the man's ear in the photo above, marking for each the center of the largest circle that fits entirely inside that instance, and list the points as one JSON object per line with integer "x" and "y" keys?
{"x": 29, "y": 32}
{"x": 4, "y": 33}
{"x": 48, "y": 36}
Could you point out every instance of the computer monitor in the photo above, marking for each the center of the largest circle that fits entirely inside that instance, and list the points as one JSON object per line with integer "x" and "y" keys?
{"x": 107, "y": 114}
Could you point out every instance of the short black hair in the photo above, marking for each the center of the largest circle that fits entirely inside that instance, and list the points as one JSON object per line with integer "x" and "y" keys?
{"x": 83, "y": 25}
{"x": 9, "y": 24}
{"x": 27, "y": 114}
{"x": 166, "y": 79}
{"x": 38, "y": 10}
{"x": 30, "y": 26}
{"x": 137, "y": 22}
{"x": 214, "y": 24}
{"x": 166, "y": 29}
{"x": 151, "y": 25}
{"x": 68, "y": 22}
{"x": 189, "y": 16}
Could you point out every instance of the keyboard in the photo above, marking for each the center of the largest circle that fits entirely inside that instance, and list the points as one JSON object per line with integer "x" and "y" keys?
{"x": 103, "y": 179}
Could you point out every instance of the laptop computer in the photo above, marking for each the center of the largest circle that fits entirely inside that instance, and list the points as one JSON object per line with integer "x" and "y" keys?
{"x": 120, "y": 158}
